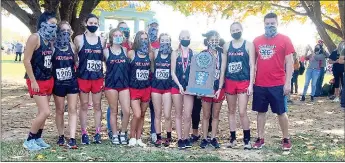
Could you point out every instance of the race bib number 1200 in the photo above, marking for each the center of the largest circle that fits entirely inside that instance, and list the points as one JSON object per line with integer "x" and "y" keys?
{"x": 235, "y": 67}
{"x": 64, "y": 73}
{"x": 94, "y": 65}
{"x": 162, "y": 74}
{"x": 142, "y": 74}
{"x": 47, "y": 61}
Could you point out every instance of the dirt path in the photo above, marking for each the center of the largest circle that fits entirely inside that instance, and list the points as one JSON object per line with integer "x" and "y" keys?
{"x": 323, "y": 119}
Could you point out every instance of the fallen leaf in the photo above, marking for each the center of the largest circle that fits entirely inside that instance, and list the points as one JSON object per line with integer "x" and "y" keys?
{"x": 286, "y": 153}
{"x": 40, "y": 156}
{"x": 311, "y": 147}
{"x": 53, "y": 150}
{"x": 17, "y": 157}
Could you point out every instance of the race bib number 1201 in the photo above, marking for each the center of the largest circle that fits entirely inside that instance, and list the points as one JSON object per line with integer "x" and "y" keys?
{"x": 142, "y": 74}
{"x": 162, "y": 74}
{"x": 94, "y": 65}
{"x": 47, "y": 61}
{"x": 235, "y": 67}
{"x": 64, "y": 73}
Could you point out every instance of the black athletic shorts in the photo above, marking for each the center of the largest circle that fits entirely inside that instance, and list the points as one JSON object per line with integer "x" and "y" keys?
{"x": 62, "y": 90}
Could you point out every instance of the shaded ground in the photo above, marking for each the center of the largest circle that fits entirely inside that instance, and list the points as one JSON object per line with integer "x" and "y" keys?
{"x": 317, "y": 132}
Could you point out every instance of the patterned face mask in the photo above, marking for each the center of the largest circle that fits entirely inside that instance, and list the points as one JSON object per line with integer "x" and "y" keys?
{"x": 63, "y": 39}
{"x": 48, "y": 31}
{"x": 270, "y": 31}
{"x": 153, "y": 32}
{"x": 144, "y": 47}
{"x": 213, "y": 44}
{"x": 165, "y": 48}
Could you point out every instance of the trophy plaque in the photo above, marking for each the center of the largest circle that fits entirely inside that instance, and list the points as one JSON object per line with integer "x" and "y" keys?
{"x": 202, "y": 75}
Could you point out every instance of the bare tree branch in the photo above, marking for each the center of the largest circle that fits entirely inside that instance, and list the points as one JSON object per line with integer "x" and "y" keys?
{"x": 333, "y": 21}
{"x": 28, "y": 19}
{"x": 332, "y": 29}
{"x": 306, "y": 8}
{"x": 341, "y": 6}
{"x": 290, "y": 9}
{"x": 34, "y": 7}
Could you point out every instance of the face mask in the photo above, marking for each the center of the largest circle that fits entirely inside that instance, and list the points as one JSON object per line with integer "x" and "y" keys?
{"x": 62, "y": 40}
{"x": 144, "y": 47}
{"x": 317, "y": 50}
{"x": 213, "y": 45}
{"x": 126, "y": 33}
{"x": 92, "y": 28}
{"x": 237, "y": 35}
{"x": 48, "y": 31}
{"x": 165, "y": 48}
{"x": 117, "y": 40}
{"x": 153, "y": 34}
{"x": 185, "y": 43}
{"x": 270, "y": 31}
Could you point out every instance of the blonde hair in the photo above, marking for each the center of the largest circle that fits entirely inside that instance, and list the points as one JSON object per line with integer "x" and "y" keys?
{"x": 111, "y": 39}
{"x": 63, "y": 22}
{"x": 181, "y": 33}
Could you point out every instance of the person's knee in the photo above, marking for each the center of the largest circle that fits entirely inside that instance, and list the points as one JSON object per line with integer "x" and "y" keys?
{"x": 206, "y": 116}
{"x": 84, "y": 105}
{"x": 187, "y": 117}
{"x": 243, "y": 113}
{"x": 59, "y": 111}
{"x": 97, "y": 106}
{"x": 137, "y": 115}
{"x": 72, "y": 110}
{"x": 125, "y": 112}
{"x": 167, "y": 117}
{"x": 232, "y": 110}
{"x": 215, "y": 116}
{"x": 45, "y": 113}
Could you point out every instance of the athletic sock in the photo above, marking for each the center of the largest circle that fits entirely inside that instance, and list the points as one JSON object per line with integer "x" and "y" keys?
{"x": 39, "y": 133}
{"x": 246, "y": 136}
{"x": 159, "y": 136}
{"x": 83, "y": 131}
{"x": 169, "y": 135}
{"x": 232, "y": 135}
{"x": 31, "y": 136}
{"x": 98, "y": 130}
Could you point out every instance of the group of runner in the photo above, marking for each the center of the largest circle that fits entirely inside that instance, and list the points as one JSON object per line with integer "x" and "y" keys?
{"x": 150, "y": 70}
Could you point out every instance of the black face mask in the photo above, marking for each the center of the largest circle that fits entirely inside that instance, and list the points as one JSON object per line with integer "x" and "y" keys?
{"x": 237, "y": 35}
{"x": 126, "y": 33}
{"x": 185, "y": 43}
{"x": 316, "y": 50}
{"x": 92, "y": 28}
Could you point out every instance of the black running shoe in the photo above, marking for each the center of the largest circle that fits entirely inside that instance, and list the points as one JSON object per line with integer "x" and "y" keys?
{"x": 85, "y": 139}
{"x": 97, "y": 139}
{"x": 188, "y": 143}
{"x": 194, "y": 138}
{"x": 204, "y": 143}
{"x": 303, "y": 98}
{"x": 61, "y": 141}
{"x": 215, "y": 143}
{"x": 180, "y": 144}
{"x": 72, "y": 144}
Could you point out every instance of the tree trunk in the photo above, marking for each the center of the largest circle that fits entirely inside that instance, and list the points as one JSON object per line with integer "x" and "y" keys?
{"x": 341, "y": 6}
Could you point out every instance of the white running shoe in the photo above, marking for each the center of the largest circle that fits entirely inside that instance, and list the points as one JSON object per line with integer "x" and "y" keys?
{"x": 132, "y": 142}
{"x": 153, "y": 137}
{"x": 140, "y": 143}
{"x": 336, "y": 99}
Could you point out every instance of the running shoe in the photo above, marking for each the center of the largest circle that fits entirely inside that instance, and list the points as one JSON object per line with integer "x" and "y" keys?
{"x": 97, "y": 138}
{"x": 204, "y": 143}
{"x": 336, "y": 99}
{"x": 247, "y": 146}
{"x": 132, "y": 142}
{"x": 140, "y": 143}
{"x": 40, "y": 142}
{"x": 72, "y": 144}
{"x": 181, "y": 144}
{"x": 110, "y": 135}
{"x": 167, "y": 142}
{"x": 158, "y": 143}
{"x": 286, "y": 144}
{"x": 123, "y": 139}
{"x": 215, "y": 143}
{"x": 232, "y": 143}
{"x": 116, "y": 139}
{"x": 194, "y": 138}
{"x": 187, "y": 143}
{"x": 61, "y": 141}
{"x": 303, "y": 98}
{"x": 31, "y": 145}
{"x": 312, "y": 98}
{"x": 85, "y": 139}
{"x": 259, "y": 143}
{"x": 153, "y": 138}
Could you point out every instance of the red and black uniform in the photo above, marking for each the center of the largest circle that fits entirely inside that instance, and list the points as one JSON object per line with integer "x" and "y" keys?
{"x": 161, "y": 81}
{"x": 90, "y": 70}
{"x": 216, "y": 81}
{"x": 182, "y": 71}
{"x": 65, "y": 78}
{"x": 139, "y": 85}
{"x": 42, "y": 69}
{"x": 238, "y": 70}
{"x": 117, "y": 74}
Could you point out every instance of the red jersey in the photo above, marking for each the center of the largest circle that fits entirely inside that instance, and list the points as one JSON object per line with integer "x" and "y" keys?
{"x": 270, "y": 53}
{"x": 126, "y": 45}
{"x": 155, "y": 44}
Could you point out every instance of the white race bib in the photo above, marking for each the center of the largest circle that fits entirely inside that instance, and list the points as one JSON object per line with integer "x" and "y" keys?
{"x": 235, "y": 67}
{"x": 162, "y": 74}
{"x": 47, "y": 61}
{"x": 94, "y": 65}
{"x": 64, "y": 73}
{"x": 142, "y": 74}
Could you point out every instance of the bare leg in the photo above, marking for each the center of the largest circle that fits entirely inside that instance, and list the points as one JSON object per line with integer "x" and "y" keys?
{"x": 261, "y": 124}
{"x": 284, "y": 124}
{"x": 72, "y": 113}
{"x": 242, "y": 106}
{"x": 157, "y": 105}
{"x": 215, "y": 118}
{"x": 178, "y": 104}
{"x": 84, "y": 101}
{"x": 187, "y": 114}
{"x": 206, "y": 113}
{"x": 125, "y": 106}
{"x": 232, "y": 100}
{"x": 43, "y": 113}
{"x": 59, "y": 111}
{"x": 135, "y": 104}
{"x": 112, "y": 97}
{"x": 143, "y": 106}
{"x": 96, "y": 99}
{"x": 167, "y": 111}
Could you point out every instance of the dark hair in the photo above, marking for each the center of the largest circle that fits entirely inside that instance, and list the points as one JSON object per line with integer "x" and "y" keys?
{"x": 44, "y": 17}
{"x": 118, "y": 25}
{"x": 221, "y": 42}
{"x": 208, "y": 35}
{"x": 270, "y": 15}
{"x": 90, "y": 16}
{"x": 136, "y": 42}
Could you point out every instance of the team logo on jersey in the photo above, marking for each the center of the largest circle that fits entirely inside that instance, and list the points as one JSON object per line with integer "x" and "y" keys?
{"x": 266, "y": 51}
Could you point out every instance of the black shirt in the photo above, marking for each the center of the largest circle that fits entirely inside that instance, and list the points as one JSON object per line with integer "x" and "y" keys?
{"x": 336, "y": 66}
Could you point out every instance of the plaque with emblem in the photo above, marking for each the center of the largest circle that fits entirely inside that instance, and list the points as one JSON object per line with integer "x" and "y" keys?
{"x": 202, "y": 75}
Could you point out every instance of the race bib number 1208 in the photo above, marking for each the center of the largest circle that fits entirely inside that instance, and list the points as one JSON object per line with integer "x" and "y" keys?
{"x": 142, "y": 74}
{"x": 94, "y": 65}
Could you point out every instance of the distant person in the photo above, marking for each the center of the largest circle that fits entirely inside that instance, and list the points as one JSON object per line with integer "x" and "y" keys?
{"x": 294, "y": 80}
{"x": 126, "y": 31}
{"x": 323, "y": 63}
{"x": 19, "y": 51}
{"x": 341, "y": 51}
{"x": 338, "y": 73}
